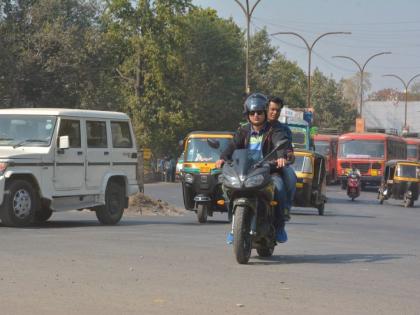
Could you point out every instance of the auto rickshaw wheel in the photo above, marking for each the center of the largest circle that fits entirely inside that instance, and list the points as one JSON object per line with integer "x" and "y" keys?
{"x": 321, "y": 208}
{"x": 202, "y": 212}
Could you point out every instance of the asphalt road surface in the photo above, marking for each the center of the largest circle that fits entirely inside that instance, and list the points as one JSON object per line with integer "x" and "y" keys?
{"x": 360, "y": 258}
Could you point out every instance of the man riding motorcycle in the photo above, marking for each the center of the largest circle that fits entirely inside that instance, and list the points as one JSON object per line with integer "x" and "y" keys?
{"x": 260, "y": 138}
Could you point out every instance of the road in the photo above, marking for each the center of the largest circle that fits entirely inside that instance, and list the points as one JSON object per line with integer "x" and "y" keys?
{"x": 360, "y": 258}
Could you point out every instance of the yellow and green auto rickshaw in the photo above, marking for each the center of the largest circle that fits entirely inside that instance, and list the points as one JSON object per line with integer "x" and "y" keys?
{"x": 311, "y": 184}
{"x": 400, "y": 181}
{"x": 201, "y": 189}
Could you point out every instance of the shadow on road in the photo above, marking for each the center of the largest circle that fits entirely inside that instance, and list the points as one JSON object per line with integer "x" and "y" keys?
{"x": 326, "y": 259}
{"x": 330, "y": 214}
{"x": 356, "y": 202}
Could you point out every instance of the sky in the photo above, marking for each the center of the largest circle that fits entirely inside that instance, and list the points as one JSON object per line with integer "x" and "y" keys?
{"x": 376, "y": 25}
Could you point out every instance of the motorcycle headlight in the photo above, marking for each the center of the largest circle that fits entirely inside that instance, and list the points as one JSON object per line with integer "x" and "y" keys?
{"x": 3, "y": 167}
{"x": 409, "y": 194}
{"x": 254, "y": 181}
{"x": 232, "y": 181}
{"x": 188, "y": 178}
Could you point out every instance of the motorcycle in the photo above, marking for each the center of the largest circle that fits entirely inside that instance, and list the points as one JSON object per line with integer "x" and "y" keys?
{"x": 249, "y": 187}
{"x": 353, "y": 185}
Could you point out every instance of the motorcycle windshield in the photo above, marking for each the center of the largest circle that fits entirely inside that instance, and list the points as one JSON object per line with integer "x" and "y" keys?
{"x": 243, "y": 160}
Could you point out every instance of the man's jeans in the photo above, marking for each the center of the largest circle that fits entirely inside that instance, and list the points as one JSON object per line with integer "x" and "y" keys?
{"x": 280, "y": 197}
{"x": 289, "y": 179}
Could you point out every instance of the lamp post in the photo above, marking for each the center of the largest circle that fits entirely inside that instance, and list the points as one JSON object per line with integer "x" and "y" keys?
{"x": 406, "y": 85}
{"x": 362, "y": 69}
{"x": 248, "y": 14}
{"x": 309, "y": 47}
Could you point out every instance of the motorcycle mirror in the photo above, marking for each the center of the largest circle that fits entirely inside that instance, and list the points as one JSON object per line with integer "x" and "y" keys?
{"x": 215, "y": 144}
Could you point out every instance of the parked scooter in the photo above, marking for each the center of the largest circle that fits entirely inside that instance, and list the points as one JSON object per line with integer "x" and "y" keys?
{"x": 353, "y": 184}
{"x": 249, "y": 187}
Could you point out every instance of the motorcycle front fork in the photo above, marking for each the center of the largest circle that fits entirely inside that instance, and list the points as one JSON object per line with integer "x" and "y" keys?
{"x": 253, "y": 229}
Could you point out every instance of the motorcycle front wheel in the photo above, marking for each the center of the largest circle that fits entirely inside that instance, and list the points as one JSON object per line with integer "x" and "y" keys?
{"x": 242, "y": 242}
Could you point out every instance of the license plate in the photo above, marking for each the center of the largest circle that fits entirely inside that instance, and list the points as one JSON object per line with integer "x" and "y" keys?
{"x": 348, "y": 170}
{"x": 374, "y": 172}
{"x": 299, "y": 185}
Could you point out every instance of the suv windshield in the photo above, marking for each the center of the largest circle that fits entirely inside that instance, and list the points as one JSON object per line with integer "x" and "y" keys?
{"x": 25, "y": 130}
{"x": 199, "y": 150}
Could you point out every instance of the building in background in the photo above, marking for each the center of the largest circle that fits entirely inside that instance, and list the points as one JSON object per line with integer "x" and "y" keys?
{"x": 389, "y": 115}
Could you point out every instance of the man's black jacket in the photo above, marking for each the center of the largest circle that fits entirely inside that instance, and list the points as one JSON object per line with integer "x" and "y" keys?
{"x": 271, "y": 136}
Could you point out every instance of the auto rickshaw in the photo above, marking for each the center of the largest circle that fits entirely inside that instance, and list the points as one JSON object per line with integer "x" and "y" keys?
{"x": 201, "y": 189}
{"x": 400, "y": 181}
{"x": 311, "y": 180}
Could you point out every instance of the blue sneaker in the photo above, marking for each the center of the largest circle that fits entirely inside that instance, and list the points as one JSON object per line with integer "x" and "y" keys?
{"x": 281, "y": 236}
{"x": 229, "y": 238}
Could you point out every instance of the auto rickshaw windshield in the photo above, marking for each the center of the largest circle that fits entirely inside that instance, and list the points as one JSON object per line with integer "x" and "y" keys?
{"x": 302, "y": 164}
{"x": 408, "y": 171}
{"x": 199, "y": 150}
{"x": 298, "y": 136}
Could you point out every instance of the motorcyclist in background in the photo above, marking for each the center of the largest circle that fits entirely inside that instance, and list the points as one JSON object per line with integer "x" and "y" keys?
{"x": 260, "y": 137}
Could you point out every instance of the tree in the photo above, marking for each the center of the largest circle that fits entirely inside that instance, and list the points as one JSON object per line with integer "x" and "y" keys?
{"x": 261, "y": 54}
{"x": 351, "y": 88}
{"x": 287, "y": 80}
{"x": 331, "y": 108}
{"x": 50, "y": 48}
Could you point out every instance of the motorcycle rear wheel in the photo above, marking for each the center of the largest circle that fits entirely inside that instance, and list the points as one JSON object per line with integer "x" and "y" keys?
{"x": 242, "y": 242}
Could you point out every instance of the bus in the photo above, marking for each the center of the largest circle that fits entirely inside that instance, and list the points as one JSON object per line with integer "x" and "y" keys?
{"x": 368, "y": 152}
{"x": 413, "y": 149}
{"x": 327, "y": 145}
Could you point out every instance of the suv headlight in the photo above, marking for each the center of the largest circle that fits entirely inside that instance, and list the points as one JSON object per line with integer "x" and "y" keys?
{"x": 254, "y": 181}
{"x": 188, "y": 178}
{"x": 3, "y": 166}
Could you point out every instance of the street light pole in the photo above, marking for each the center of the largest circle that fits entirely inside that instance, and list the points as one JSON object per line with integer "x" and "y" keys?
{"x": 248, "y": 14}
{"x": 362, "y": 69}
{"x": 406, "y": 85}
{"x": 310, "y": 48}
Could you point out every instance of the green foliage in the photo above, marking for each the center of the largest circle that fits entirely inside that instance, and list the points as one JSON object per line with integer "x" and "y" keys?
{"x": 331, "y": 109}
{"x": 171, "y": 66}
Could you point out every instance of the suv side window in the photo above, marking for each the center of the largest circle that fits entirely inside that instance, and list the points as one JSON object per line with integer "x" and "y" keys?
{"x": 121, "y": 136}
{"x": 71, "y": 128}
{"x": 96, "y": 134}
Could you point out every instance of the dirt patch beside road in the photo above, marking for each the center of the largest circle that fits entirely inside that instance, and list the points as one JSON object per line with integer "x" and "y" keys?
{"x": 142, "y": 204}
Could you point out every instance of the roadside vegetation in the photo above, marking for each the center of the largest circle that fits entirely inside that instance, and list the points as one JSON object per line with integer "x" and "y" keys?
{"x": 171, "y": 66}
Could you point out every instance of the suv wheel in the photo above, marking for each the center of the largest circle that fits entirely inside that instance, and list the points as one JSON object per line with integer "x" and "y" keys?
{"x": 42, "y": 215}
{"x": 19, "y": 205}
{"x": 112, "y": 211}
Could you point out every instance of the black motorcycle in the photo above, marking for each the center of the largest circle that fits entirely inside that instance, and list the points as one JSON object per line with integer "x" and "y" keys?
{"x": 250, "y": 190}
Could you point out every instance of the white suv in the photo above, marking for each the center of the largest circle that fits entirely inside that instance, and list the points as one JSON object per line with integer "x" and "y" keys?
{"x": 65, "y": 159}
